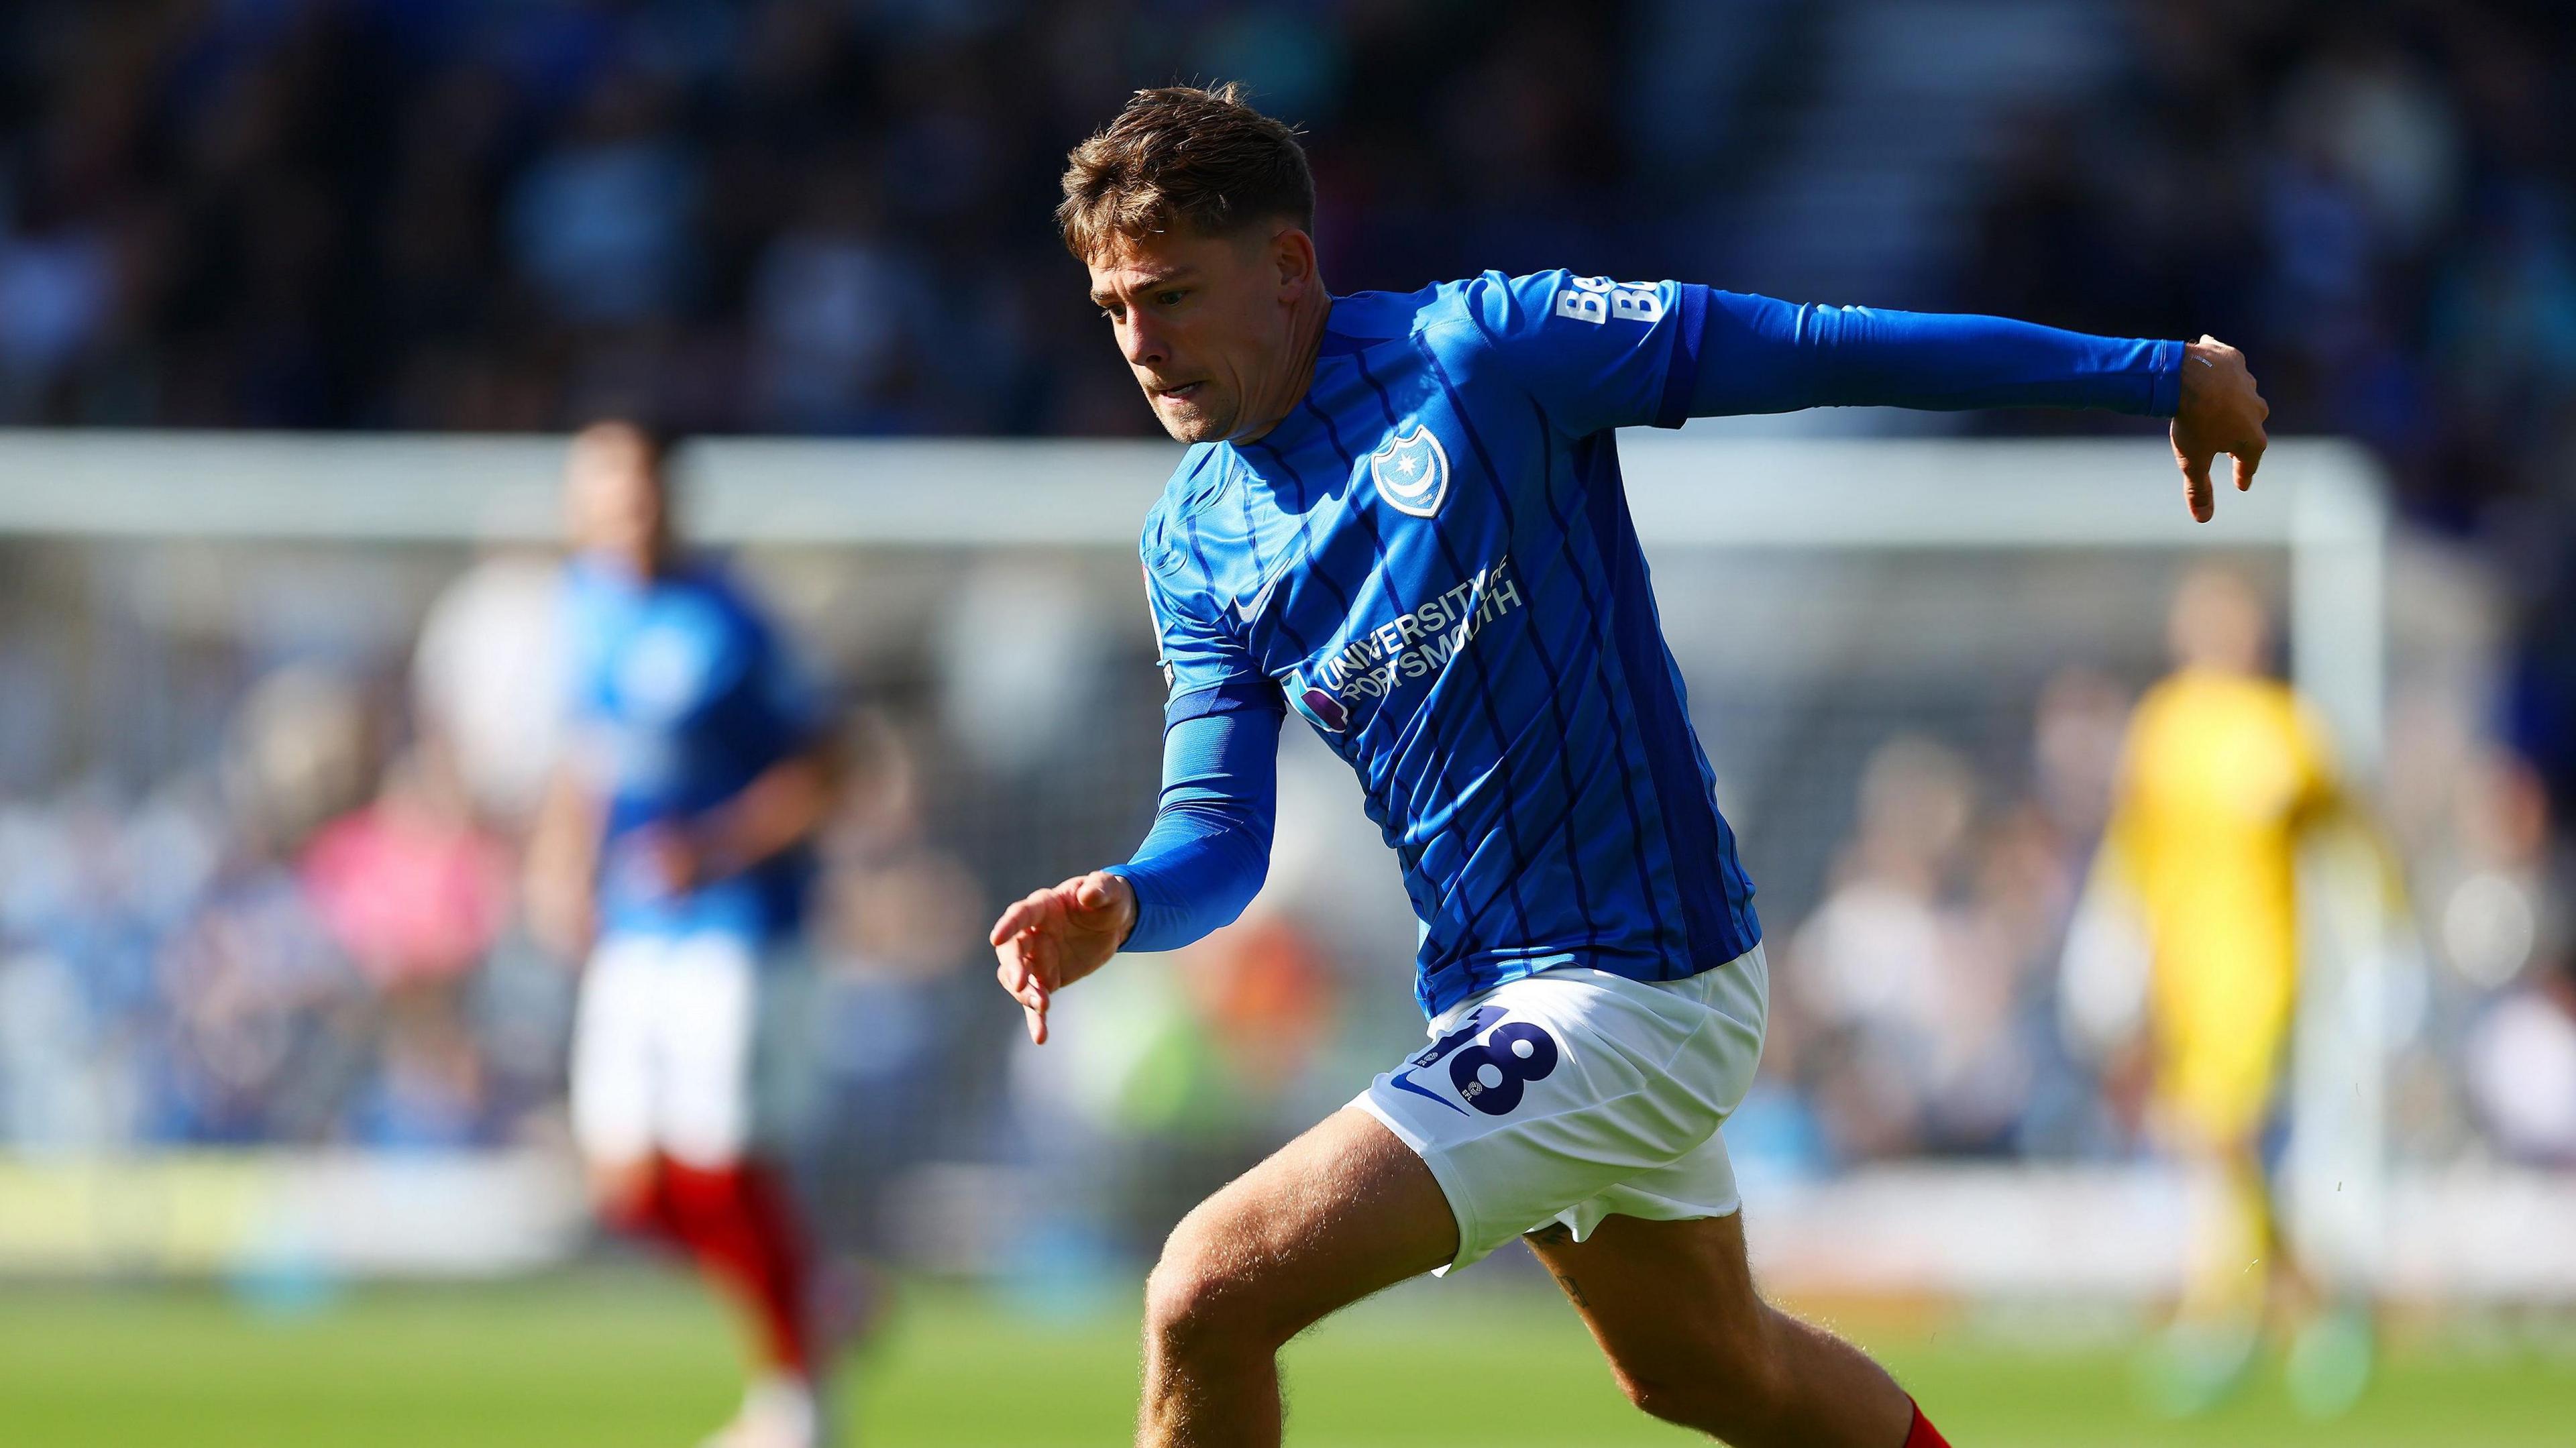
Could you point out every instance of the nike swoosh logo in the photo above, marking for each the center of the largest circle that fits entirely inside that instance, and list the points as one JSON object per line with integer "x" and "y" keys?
{"x": 1251, "y": 608}
{"x": 1404, "y": 1082}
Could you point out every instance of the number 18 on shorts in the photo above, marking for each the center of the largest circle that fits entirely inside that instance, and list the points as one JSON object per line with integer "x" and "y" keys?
{"x": 1572, "y": 1095}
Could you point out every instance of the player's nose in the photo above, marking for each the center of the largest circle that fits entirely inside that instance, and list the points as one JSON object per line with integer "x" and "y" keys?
{"x": 1144, "y": 348}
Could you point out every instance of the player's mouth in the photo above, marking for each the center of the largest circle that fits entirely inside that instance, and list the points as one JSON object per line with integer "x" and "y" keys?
{"x": 1182, "y": 393}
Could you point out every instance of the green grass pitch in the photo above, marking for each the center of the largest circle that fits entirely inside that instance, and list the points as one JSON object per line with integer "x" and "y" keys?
{"x": 633, "y": 1360}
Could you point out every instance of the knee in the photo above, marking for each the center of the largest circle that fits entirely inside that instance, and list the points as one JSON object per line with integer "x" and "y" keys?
{"x": 624, "y": 1192}
{"x": 1199, "y": 1297}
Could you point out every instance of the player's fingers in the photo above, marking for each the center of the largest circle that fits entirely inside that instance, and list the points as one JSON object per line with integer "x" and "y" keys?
{"x": 1026, "y": 913}
{"x": 1039, "y": 959}
{"x": 1011, "y": 922}
{"x": 1025, "y": 955}
{"x": 1033, "y": 995}
{"x": 2248, "y": 458}
{"x": 1042, "y": 951}
{"x": 1013, "y": 973}
{"x": 1014, "y": 967}
{"x": 1092, "y": 891}
{"x": 2196, "y": 489}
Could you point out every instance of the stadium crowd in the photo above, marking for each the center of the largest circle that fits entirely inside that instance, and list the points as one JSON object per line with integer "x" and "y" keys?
{"x": 828, "y": 216}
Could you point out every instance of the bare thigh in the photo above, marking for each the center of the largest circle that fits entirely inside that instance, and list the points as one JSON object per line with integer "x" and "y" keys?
{"x": 1341, "y": 1212}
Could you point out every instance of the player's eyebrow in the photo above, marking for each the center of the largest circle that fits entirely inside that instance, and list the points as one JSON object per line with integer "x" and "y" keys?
{"x": 1148, "y": 283}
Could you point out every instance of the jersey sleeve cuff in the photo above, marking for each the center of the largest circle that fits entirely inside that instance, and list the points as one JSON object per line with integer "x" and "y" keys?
{"x": 1137, "y": 925}
{"x": 2164, "y": 380}
{"x": 1681, "y": 368}
{"x": 1233, "y": 696}
{"x": 1158, "y": 926}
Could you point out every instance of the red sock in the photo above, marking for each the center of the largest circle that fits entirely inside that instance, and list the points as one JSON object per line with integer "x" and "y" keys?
{"x": 742, "y": 1225}
{"x": 1923, "y": 1434}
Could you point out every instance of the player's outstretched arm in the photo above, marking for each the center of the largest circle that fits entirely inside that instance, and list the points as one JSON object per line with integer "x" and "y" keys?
{"x": 2221, "y": 411}
{"x": 1200, "y": 864}
{"x": 1768, "y": 356}
{"x": 1599, "y": 354}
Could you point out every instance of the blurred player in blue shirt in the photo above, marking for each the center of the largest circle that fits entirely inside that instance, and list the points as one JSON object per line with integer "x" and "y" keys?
{"x": 1401, "y": 518}
{"x": 674, "y": 851}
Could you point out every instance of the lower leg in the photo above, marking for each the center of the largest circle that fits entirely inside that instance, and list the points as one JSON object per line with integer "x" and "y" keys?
{"x": 1209, "y": 1390}
{"x": 1824, "y": 1390}
{"x": 741, "y": 1222}
{"x": 1791, "y": 1384}
{"x": 1672, "y": 1305}
{"x": 2233, "y": 1241}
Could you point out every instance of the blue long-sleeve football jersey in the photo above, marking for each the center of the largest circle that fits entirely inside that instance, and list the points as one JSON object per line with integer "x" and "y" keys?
{"x": 1431, "y": 560}
{"x": 682, "y": 694}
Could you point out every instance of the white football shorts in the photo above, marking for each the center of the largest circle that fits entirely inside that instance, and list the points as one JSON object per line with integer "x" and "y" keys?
{"x": 688, "y": 1045}
{"x": 1574, "y": 1095}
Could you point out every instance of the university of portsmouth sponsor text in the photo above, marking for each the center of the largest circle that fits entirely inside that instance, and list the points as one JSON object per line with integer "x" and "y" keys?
{"x": 1422, "y": 640}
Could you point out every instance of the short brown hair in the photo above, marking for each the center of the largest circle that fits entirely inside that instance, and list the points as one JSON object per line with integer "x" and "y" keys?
{"x": 1182, "y": 156}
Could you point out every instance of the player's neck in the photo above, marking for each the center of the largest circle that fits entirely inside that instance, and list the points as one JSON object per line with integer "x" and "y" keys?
{"x": 1306, "y": 333}
{"x": 641, "y": 567}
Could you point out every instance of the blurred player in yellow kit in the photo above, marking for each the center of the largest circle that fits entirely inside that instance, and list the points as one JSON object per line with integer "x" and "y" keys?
{"x": 2225, "y": 773}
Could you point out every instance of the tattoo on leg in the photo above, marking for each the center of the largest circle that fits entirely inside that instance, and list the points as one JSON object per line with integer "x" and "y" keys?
{"x": 1554, "y": 1234}
{"x": 1573, "y": 1293}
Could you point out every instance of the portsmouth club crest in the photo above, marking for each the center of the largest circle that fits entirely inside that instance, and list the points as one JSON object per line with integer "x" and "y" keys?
{"x": 1411, "y": 470}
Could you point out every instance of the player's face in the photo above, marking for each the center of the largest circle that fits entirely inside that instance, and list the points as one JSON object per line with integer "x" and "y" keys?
{"x": 2218, "y": 623}
{"x": 613, "y": 496}
{"x": 1206, "y": 324}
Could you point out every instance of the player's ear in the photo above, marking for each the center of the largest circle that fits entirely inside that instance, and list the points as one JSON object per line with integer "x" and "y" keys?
{"x": 1292, "y": 254}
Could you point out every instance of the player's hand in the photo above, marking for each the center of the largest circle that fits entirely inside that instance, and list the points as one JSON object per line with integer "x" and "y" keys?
{"x": 2221, "y": 411}
{"x": 669, "y": 859}
{"x": 1051, "y": 938}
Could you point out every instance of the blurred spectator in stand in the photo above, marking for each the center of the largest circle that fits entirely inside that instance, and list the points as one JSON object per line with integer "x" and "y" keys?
{"x": 1996, "y": 1025}
{"x": 836, "y": 306}
{"x": 414, "y": 894}
{"x": 2088, "y": 1097}
{"x": 297, "y": 753}
{"x": 490, "y": 655}
{"x": 600, "y": 224}
{"x": 57, "y": 297}
{"x": 2521, "y": 1062}
{"x": 266, "y": 1024}
{"x": 408, "y": 886}
{"x": 898, "y": 920}
{"x": 1872, "y": 982}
